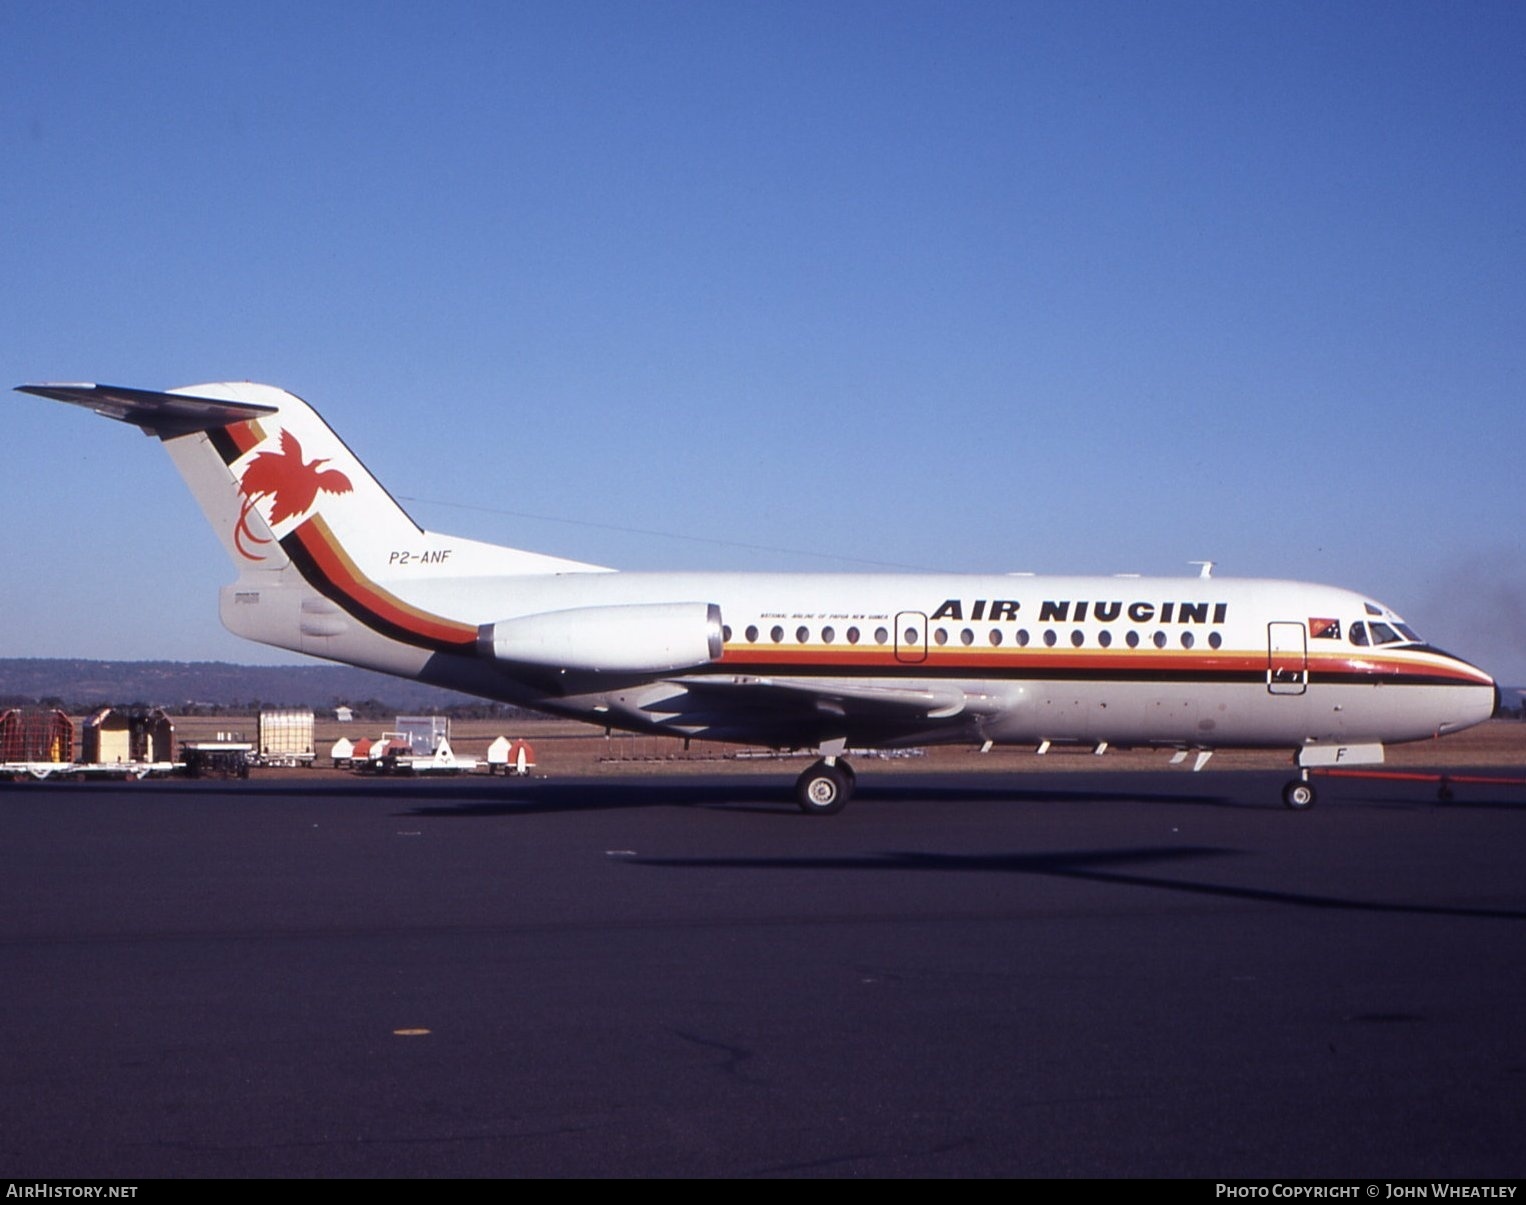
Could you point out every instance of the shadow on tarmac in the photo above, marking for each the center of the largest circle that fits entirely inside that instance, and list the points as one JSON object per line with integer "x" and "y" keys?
{"x": 1087, "y": 865}
{"x": 466, "y": 798}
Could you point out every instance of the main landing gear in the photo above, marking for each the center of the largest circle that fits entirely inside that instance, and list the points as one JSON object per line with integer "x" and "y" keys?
{"x": 825, "y": 788}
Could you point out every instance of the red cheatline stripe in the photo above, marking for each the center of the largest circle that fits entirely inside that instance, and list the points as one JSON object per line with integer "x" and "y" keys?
{"x": 1416, "y": 776}
{"x": 973, "y": 659}
{"x": 335, "y": 564}
{"x": 234, "y": 441}
{"x": 246, "y": 436}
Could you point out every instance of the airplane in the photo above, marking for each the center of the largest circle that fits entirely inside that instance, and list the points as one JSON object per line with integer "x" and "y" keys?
{"x": 330, "y": 565}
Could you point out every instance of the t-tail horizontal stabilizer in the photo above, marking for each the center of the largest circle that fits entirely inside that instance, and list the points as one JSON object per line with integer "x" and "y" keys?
{"x": 163, "y": 414}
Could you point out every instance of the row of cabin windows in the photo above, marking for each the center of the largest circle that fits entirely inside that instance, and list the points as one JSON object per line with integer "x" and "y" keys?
{"x": 913, "y": 637}
{"x": 803, "y": 635}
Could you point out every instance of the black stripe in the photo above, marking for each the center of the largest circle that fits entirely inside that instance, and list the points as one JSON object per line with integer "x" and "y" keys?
{"x": 315, "y": 577}
{"x": 224, "y": 444}
{"x": 1043, "y": 673}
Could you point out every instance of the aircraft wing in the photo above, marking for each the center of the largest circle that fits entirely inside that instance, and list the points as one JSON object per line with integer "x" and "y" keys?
{"x": 835, "y": 696}
{"x": 162, "y": 414}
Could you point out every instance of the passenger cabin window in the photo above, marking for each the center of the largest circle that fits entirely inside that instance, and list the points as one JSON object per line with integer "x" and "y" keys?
{"x": 1078, "y": 638}
{"x": 828, "y": 635}
{"x": 881, "y": 635}
{"x": 1214, "y": 640}
{"x": 1160, "y": 640}
{"x": 1105, "y": 638}
{"x": 1187, "y": 640}
{"x": 941, "y": 636}
{"x": 852, "y": 635}
{"x": 802, "y": 634}
{"x": 1049, "y": 638}
{"x": 995, "y": 637}
{"x": 752, "y": 633}
{"x": 1132, "y": 640}
{"x": 966, "y": 637}
{"x": 777, "y": 634}
{"x": 726, "y": 633}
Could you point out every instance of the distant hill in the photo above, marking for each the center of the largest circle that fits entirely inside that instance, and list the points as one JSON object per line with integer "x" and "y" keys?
{"x": 180, "y": 686}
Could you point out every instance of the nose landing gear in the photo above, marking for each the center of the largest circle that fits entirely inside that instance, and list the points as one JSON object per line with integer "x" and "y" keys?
{"x": 1299, "y": 795}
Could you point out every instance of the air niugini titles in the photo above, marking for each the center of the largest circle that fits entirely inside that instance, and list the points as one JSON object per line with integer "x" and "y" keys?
{"x": 1073, "y": 611}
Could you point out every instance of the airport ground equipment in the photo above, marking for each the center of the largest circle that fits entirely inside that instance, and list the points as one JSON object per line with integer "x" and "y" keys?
{"x": 285, "y": 738}
{"x": 217, "y": 758}
{"x": 39, "y": 744}
{"x": 510, "y": 757}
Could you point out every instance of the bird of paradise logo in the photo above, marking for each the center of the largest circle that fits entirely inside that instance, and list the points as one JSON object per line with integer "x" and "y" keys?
{"x": 292, "y": 485}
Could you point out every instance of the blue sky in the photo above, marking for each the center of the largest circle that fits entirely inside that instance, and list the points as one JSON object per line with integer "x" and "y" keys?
{"x": 1064, "y": 287}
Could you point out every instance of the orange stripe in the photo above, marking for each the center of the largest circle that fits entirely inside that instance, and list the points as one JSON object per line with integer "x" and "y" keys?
{"x": 246, "y": 436}
{"x": 336, "y": 565}
{"x": 966, "y": 659}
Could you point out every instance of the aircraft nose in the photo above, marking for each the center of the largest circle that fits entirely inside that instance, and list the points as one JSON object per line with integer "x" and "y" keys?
{"x": 1486, "y": 703}
{"x": 1476, "y": 700}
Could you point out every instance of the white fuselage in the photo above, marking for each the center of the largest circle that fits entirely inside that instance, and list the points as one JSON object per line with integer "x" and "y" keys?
{"x": 329, "y": 565}
{"x": 896, "y": 659}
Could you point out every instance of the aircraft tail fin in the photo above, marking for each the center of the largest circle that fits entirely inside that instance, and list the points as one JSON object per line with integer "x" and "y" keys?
{"x": 205, "y": 430}
{"x": 305, "y": 521}
{"x": 277, "y": 484}
{"x": 262, "y": 464}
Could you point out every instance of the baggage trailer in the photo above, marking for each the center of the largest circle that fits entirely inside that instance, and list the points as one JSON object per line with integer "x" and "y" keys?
{"x": 420, "y": 744}
{"x": 38, "y": 745}
{"x": 129, "y": 771}
{"x": 285, "y": 738}
{"x": 217, "y": 759}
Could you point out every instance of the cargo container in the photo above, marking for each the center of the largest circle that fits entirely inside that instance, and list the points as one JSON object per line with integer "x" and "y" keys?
{"x": 285, "y": 739}
{"x": 424, "y": 733}
{"x": 115, "y": 735}
{"x": 31, "y": 735}
{"x": 37, "y": 744}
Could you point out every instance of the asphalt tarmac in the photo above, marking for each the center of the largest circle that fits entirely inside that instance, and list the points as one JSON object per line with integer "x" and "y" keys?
{"x": 1072, "y": 974}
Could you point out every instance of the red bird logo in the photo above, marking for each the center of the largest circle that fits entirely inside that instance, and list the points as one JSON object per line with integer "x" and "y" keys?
{"x": 292, "y": 484}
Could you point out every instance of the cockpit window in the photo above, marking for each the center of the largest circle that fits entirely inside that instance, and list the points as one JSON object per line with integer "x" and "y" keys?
{"x": 1377, "y": 632}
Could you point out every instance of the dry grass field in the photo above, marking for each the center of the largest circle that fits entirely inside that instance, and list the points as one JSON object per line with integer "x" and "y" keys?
{"x": 565, "y": 748}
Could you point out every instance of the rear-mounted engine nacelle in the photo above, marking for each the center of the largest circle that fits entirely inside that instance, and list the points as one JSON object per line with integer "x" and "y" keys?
{"x": 643, "y": 638}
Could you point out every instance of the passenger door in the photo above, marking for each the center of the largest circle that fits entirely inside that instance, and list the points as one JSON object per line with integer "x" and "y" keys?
{"x": 1287, "y": 658}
